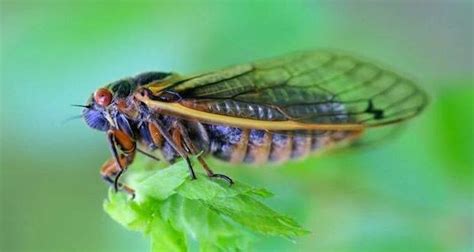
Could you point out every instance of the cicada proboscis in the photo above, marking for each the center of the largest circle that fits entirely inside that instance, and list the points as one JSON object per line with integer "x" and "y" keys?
{"x": 267, "y": 111}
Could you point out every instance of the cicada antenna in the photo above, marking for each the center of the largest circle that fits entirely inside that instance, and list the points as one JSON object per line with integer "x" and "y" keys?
{"x": 76, "y": 116}
{"x": 71, "y": 119}
{"x": 81, "y": 106}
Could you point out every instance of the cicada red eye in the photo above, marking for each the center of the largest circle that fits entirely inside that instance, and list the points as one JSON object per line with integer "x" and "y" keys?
{"x": 103, "y": 97}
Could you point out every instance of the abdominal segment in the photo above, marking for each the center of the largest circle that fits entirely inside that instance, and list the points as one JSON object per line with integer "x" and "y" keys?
{"x": 253, "y": 146}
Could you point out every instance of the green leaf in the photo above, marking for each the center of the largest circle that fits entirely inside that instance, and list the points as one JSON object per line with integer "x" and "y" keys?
{"x": 176, "y": 211}
{"x": 124, "y": 211}
{"x": 164, "y": 237}
{"x": 161, "y": 184}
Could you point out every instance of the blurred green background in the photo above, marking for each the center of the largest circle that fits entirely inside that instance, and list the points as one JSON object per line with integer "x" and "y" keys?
{"x": 413, "y": 193}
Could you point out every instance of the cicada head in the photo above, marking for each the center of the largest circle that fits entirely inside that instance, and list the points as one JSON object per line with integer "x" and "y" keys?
{"x": 114, "y": 104}
{"x": 104, "y": 105}
{"x": 94, "y": 111}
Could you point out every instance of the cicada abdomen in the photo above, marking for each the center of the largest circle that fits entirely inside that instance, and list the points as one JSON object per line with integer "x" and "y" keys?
{"x": 256, "y": 146}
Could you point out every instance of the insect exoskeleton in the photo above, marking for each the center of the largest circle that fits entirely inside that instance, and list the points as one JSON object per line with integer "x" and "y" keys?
{"x": 267, "y": 111}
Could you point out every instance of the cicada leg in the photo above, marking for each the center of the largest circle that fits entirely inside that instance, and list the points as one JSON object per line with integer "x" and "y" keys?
{"x": 188, "y": 143}
{"x": 127, "y": 146}
{"x": 174, "y": 140}
{"x": 109, "y": 173}
{"x": 177, "y": 139}
{"x": 211, "y": 174}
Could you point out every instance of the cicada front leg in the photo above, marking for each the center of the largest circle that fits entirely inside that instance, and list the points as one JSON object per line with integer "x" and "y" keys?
{"x": 109, "y": 172}
{"x": 116, "y": 166}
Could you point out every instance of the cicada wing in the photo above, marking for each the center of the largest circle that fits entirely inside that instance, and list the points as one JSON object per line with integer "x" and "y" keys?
{"x": 319, "y": 87}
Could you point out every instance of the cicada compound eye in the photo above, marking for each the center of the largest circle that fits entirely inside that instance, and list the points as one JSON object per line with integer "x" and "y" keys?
{"x": 103, "y": 97}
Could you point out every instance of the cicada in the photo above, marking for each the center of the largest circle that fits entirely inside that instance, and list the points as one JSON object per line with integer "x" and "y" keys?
{"x": 268, "y": 111}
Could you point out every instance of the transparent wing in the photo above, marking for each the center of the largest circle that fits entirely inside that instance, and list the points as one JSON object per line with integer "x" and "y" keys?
{"x": 319, "y": 87}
